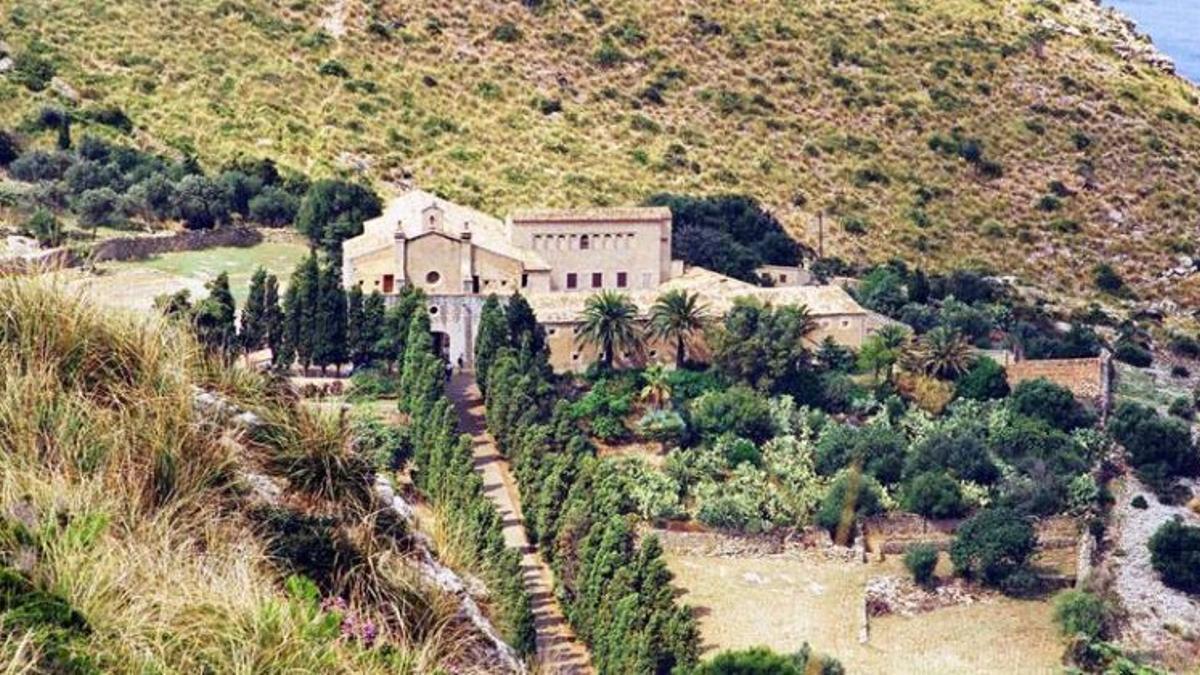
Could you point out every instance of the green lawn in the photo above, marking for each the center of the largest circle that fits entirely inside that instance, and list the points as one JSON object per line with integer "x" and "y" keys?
{"x": 278, "y": 258}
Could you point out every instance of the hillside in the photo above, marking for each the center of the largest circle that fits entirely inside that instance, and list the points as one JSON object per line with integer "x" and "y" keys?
{"x": 149, "y": 526}
{"x": 1009, "y": 133}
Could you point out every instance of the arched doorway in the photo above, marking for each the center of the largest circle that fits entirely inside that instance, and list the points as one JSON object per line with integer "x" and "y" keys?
{"x": 441, "y": 345}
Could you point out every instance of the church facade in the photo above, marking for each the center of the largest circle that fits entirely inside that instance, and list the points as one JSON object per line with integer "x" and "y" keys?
{"x": 556, "y": 259}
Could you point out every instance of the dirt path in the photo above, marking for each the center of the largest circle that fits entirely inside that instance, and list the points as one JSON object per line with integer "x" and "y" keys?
{"x": 558, "y": 651}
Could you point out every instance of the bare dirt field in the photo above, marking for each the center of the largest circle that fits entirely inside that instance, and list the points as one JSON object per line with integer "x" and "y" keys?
{"x": 782, "y": 602}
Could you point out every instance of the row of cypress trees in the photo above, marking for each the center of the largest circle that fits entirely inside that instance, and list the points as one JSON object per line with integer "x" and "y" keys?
{"x": 315, "y": 322}
{"x": 616, "y": 592}
{"x": 443, "y": 464}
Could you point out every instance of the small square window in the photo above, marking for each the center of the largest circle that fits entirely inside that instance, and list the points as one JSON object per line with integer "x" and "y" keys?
{"x": 572, "y": 280}
{"x": 622, "y": 279}
{"x": 597, "y": 279}
{"x": 783, "y": 278}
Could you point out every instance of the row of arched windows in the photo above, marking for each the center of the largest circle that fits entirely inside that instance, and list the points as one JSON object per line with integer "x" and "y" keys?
{"x": 583, "y": 242}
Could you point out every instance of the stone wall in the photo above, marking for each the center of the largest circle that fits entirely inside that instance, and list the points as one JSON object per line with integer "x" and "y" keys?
{"x": 53, "y": 259}
{"x": 893, "y": 533}
{"x": 1089, "y": 379}
{"x": 145, "y": 246}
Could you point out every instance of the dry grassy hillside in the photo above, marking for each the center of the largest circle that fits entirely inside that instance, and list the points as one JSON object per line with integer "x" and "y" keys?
{"x": 939, "y": 131}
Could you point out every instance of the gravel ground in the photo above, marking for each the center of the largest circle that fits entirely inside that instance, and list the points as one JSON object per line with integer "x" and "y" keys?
{"x": 1159, "y": 618}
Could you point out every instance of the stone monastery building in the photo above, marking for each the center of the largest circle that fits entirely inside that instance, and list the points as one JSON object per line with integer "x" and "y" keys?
{"x": 556, "y": 259}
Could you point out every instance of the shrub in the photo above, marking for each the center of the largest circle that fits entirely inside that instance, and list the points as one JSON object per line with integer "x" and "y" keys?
{"x": 1107, "y": 279}
{"x": 333, "y": 68}
{"x": 1079, "y": 613}
{"x": 1159, "y": 447}
{"x": 992, "y": 545}
{"x": 10, "y": 149}
{"x": 1139, "y": 502}
{"x": 961, "y": 453}
{"x": 506, "y": 32}
{"x": 931, "y": 394}
{"x": 1182, "y": 408}
{"x": 984, "y": 381}
{"x": 874, "y": 448}
{"x": 39, "y": 165}
{"x": 1185, "y": 346}
{"x": 1056, "y": 405}
{"x": 1128, "y": 351}
{"x": 664, "y": 426}
{"x": 44, "y": 227}
{"x": 32, "y": 70}
{"x": 851, "y": 495}
{"x": 1175, "y": 555}
{"x": 738, "y": 410}
{"x": 921, "y": 560}
{"x": 934, "y": 495}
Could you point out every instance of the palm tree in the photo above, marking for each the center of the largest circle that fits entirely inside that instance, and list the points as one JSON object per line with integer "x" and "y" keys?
{"x": 883, "y": 349}
{"x": 658, "y": 386}
{"x": 945, "y": 353}
{"x": 676, "y": 315}
{"x": 610, "y": 323}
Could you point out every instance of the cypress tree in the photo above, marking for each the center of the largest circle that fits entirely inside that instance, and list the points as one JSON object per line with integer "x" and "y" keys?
{"x": 418, "y": 345}
{"x": 274, "y": 324}
{"x": 356, "y": 347}
{"x": 493, "y": 335}
{"x": 396, "y": 324}
{"x": 215, "y": 317}
{"x": 329, "y": 328}
{"x": 307, "y": 282}
{"x": 371, "y": 333}
{"x": 254, "y": 314}
{"x": 523, "y": 322}
{"x": 292, "y": 325}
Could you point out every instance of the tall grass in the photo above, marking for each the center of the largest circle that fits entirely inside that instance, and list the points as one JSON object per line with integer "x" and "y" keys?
{"x": 125, "y": 539}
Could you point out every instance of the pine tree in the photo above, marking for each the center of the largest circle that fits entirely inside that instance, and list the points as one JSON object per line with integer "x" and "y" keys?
{"x": 356, "y": 347}
{"x": 493, "y": 336}
{"x": 371, "y": 333}
{"x": 254, "y": 313}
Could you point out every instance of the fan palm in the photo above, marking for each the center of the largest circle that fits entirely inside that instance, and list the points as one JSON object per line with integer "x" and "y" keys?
{"x": 610, "y": 323}
{"x": 676, "y": 316}
{"x": 658, "y": 386}
{"x": 945, "y": 353}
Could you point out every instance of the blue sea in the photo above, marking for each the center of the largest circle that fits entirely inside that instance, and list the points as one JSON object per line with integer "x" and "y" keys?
{"x": 1174, "y": 25}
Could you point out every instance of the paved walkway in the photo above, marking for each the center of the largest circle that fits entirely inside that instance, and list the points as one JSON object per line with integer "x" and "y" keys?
{"x": 558, "y": 651}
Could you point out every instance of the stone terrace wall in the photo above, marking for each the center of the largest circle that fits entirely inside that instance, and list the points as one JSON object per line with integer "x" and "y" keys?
{"x": 1088, "y": 379}
{"x": 140, "y": 248}
{"x": 894, "y": 533}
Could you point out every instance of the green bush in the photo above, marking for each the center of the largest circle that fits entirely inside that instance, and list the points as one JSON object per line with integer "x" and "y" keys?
{"x": 984, "y": 381}
{"x": 32, "y": 70}
{"x": 763, "y": 661}
{"x": 738, "y": 410}
{"x": 993, "y": 545}
{"x": 1175, "y": 555}
{"x": 959, "y": 452}
{"x": 1128, "y": 351}
{"x": 876, "y": 448}
{"x": 1159, "y": 447}
{"x": 10, "y": 148}
{"x": 1079, "y": 613}
{"x": 1182, "y": 408}
{"x": 921, "y": 561}
{"x": 1139, "y": 502}
{"x": 934, "y": 495}
{"x": 1107, "y": 279}
{"x": 852, "y": 495}
{"x": 1042, "y": 399}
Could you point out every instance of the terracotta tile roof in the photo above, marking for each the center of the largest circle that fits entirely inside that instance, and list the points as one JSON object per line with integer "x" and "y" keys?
{"x": 717, "y": 291}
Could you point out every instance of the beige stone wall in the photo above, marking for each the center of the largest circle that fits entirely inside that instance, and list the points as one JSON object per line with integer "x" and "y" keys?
{"x": 848, "y": 330}
{"x": 435, "y": 254}
{"x": 497, "y": 273}
{"x": 1088, "y": 379}
{"x": 642, "y": 250}
{"x": 369, "y": 269}
{"x": 567, "y": 355}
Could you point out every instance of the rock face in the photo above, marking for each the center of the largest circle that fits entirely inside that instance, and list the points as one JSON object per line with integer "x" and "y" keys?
{"x": 1121, "y": 31}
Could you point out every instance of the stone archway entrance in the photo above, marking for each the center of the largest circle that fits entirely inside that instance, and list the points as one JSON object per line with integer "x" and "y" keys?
{"x": 441, "y": 345}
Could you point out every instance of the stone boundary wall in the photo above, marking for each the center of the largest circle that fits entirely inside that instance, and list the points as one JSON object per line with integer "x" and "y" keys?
{"x": 140, "y": 248}
{"x": 1088, "y": 379}
{"x": 892, "y": 534}
{"x": 54, "y": 259}
{"x": 733, "y": 544}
